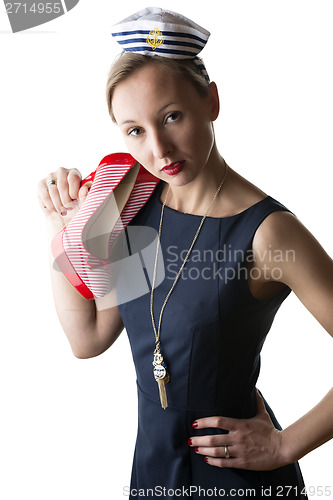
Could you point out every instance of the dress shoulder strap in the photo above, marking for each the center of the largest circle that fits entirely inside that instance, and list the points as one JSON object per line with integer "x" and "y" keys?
{"x": 246, "y": 223}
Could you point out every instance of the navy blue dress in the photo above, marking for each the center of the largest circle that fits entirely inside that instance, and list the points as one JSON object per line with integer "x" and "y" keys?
{"x": 212, "y": 333}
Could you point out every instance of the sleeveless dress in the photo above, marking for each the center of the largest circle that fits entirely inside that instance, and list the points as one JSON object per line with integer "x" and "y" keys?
{"x": 212, "y": 333}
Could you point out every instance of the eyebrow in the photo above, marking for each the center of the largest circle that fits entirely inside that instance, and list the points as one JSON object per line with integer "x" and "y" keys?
{"x": 127, "y": 121}
{"x": 164, "y": 107}
{"x": 158, "y": 112}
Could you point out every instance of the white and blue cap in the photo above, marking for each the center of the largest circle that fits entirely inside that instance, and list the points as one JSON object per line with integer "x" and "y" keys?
{"x": 156, "y": 31}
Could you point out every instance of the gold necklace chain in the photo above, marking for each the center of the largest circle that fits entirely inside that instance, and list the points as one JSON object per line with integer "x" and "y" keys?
{"x": 160, "y": 373}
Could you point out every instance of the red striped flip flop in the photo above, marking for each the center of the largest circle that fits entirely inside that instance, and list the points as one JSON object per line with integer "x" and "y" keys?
{"x": 120, "y": 187}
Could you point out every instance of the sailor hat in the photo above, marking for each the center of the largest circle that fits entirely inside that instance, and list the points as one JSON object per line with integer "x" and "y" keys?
{"x": 156, "y": 31}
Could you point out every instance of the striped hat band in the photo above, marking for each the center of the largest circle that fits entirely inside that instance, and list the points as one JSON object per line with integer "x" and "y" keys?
{"x": 154, "y": 31}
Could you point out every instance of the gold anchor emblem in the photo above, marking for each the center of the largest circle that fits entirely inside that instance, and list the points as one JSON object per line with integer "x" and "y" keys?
{"x": 155, "y": 38}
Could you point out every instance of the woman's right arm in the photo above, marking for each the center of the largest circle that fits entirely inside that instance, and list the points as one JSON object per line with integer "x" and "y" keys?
{"x": 90, "y": 330}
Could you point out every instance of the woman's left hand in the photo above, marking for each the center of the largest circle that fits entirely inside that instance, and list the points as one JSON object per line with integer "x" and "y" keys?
{"x": 253, "y": 443}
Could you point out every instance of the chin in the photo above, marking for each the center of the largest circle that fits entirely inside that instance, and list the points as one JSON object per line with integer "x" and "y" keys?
{"x": 177, "y": 180}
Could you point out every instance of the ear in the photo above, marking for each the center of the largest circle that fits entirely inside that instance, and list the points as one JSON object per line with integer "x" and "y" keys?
{"x": 214, "y": 101}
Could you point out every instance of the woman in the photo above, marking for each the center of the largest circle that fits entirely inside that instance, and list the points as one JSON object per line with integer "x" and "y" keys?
{"x": 203, "y": 426}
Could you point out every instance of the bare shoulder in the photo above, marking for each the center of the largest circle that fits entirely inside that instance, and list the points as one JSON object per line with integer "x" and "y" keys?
{"x": 282, "y": 229}
{"x": 239, "y": 194}
{"x": 283, "y": 232}
{"x": 279, "y": 226}
{"x": 302, "y": 264}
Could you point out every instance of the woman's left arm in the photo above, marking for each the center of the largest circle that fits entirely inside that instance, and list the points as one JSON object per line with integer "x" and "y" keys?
{"x": 255, "y": 443}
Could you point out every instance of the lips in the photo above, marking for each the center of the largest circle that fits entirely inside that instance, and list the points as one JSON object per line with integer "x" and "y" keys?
{"x": 174, "y": 168}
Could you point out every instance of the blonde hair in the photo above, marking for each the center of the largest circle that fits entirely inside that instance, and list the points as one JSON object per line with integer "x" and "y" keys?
{"x": 129, "y": 62}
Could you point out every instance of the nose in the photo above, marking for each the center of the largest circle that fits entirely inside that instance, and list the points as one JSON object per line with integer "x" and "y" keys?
{"x": 161, "y": 144}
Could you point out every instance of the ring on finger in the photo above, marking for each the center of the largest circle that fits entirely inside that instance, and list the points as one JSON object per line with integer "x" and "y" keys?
{"x": 227, "y": 452}
{"x": 51, "y": 182}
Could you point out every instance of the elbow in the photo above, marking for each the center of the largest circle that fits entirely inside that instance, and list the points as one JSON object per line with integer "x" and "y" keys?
{"x": 81, "y": 352}
{"x": 83, "y": 346}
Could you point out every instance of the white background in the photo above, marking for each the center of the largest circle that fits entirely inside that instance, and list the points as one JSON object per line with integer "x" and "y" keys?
{"x": 68, "y": 426}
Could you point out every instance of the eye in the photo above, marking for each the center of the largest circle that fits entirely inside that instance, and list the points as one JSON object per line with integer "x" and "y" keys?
{"x": 135, "y": 131}
{"x": 172, "y": 117}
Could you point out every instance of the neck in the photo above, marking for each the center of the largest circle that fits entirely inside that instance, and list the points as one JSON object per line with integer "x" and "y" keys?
{"x": 195, "y": 196}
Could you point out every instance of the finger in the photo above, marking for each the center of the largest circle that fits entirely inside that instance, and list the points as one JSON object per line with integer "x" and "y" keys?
{"x": 217, "y": 452}
{"x": 46, "y": 205}
{"x": 62, "y": 186}
{"x": 54, "y": 196}
{"x": 83, "y": 192}
{"x": 225, "y": 423}
{"x": 210, "y": 441}
{"x": 74, "y": 179}
{"x": 43, "y": 197}
{"x": 234, "y": 463}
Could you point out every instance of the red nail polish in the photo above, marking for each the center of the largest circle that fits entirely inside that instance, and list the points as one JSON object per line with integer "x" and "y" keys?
{"x": 189, "y": 442}
{"x": 195, "y": 424}
{"x": 196, "y": 448}
{"x": 206, "y": 459}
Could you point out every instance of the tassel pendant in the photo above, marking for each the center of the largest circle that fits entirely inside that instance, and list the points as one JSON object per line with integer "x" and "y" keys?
{"x": 161, "y": 376}
{"x": 163, "y": 396}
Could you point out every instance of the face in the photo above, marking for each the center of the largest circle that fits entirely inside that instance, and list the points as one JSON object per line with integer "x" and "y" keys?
{"x": 166, "y": 124}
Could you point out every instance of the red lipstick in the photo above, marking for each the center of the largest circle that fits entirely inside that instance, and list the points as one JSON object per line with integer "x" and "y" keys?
{"x": 174, "y": 168}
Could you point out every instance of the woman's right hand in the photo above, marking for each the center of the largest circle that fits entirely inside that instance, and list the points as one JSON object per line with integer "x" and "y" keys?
{"x": 63, "y": 195}
{"x": 89, "y": 331}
